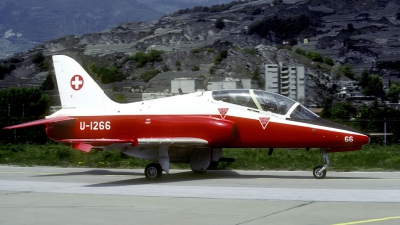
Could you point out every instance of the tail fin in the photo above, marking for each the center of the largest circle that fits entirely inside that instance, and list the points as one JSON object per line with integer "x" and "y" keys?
{"x": 76, "y": 87}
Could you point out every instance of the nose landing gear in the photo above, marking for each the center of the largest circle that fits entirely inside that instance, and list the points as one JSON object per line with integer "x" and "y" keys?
{"x": 319, "y": 172}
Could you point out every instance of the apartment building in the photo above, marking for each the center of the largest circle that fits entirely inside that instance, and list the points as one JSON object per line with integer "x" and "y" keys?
{"x": 286, "y": 80}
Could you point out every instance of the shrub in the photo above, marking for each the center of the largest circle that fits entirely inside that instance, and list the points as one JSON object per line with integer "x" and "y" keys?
{"x": 165, "y": 68}
{"x": 300, "y": 51}
{"x": 146, "y": 76}
{"x": 209, "y": 50}
{"x": 251, "y": 51}
{"x": 106, "y": 75}
{"x": 211, "y": 70}
{"x": 287, "y": 47}
{"x": 142, "y": 58}
{"x": 155, "y": 55}
{"x": 221, "y": 55}
{"x": 196, "y": 50}
{"x": 328, "y": 61}
{"x": 119, "y": 97}
{"x": 195, "y": 68}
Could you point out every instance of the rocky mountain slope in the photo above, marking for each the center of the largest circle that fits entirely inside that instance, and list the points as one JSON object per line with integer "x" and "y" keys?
{"x": 364, "y": 34}
{"x": 24, "y": 24}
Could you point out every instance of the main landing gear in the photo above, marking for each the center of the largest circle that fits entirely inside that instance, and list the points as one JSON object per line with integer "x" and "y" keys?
{"x": 319, "y": 172}
{"x": 153, "y": 171}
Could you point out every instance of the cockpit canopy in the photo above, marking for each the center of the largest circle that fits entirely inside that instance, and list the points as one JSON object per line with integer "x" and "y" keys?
{"x": 265, "y": 101}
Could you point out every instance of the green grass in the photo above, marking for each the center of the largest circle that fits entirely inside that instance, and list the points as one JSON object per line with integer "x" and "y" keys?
{"x": 370, "y": 158}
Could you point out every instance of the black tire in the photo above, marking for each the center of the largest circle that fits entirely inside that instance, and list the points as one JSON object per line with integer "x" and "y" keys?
{"x": 319, "y": 175}
{"x": 153, "y": 171}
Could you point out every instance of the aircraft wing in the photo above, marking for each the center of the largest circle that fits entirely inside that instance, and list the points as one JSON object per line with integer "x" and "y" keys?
{"x": 40, "y": 122}
{"x": 172, "y": 141}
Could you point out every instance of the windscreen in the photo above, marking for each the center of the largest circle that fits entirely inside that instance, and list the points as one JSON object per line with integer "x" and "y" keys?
{"x": 302, "y": 113}
{"x": 273, "y": 102}
{"x": 256, "y": 99}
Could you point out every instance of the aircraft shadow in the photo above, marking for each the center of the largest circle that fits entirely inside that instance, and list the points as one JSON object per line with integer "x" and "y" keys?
{"x": 98, "y": 172}
{"x": 188, "y": 176}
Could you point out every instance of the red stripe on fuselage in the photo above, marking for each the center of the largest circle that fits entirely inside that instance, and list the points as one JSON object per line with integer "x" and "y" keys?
{"x": 215, "y": 130}
{"x": 248, "y": 133}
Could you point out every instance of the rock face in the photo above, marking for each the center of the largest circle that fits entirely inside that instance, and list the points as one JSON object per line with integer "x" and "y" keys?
{"x": 24, "y": 24}
{"x": 363, "y": 34}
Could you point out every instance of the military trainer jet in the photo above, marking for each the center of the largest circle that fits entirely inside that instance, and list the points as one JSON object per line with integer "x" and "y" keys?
{"x": 192, "y": 128}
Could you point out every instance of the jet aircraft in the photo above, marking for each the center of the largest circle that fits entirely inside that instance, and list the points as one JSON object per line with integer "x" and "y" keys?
{"x": 192, "y": 128}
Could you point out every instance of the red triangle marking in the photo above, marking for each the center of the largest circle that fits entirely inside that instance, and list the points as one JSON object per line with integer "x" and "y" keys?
{"x": 222, "y": 112}
{"x": 264, "y": 121}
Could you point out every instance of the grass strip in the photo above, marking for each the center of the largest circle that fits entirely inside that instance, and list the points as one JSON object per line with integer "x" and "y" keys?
{"x": 370, "y": 158}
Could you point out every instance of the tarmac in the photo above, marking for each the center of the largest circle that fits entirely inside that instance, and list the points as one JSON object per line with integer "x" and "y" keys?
{"x": 52, "y": 195}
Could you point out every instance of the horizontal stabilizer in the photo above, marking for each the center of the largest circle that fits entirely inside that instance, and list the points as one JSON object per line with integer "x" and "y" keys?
{"x": 40, "y": 122}
{"x": 82, "y": 147}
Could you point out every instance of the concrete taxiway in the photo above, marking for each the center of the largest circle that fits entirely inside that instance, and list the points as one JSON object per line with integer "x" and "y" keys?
{"x": 51, "y": 195}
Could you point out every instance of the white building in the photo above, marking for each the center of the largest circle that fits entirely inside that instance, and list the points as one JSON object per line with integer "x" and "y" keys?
{"x": 231, "y": 83}
{"x": 286, "y": 80}
{"x": 186, "y": 85}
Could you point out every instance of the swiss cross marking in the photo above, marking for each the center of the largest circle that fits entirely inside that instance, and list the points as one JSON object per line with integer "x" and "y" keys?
{"x": 222, "y": 112}
{"x": 76, "y": 82}
{"x": 264, "y": 121}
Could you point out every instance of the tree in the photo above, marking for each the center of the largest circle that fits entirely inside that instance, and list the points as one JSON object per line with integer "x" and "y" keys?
{"x": 350, "y": 27}
{"x": 336, "y": 71}
{"x": 348, "y": 72}
{"x": 219, "y": 23}
{"x": 23, "y": 102}
{"x": 393, "y": 93}
{"x": 374, "y": 87}
{"x": 38, "y": 58}
{"x": 364, "y": 78}
{"x": 49, "y": 83}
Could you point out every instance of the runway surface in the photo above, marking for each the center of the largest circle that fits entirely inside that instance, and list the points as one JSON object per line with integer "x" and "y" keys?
{"x": 51, "y": 195}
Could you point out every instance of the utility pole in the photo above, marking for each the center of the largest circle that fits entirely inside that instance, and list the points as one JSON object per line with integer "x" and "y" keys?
{"x": 384, "y": 131}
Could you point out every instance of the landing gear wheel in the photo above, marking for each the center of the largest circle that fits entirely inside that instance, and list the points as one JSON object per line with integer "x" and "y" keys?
{"x": 319, "y": 174}
{"x": 153, "y": 171}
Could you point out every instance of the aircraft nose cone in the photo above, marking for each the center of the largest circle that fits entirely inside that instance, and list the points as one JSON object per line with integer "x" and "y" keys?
{"x": 363, "y": 139}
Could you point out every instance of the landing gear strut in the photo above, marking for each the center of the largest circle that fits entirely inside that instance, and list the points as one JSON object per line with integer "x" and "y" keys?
{"x": 319, "y": 172}
{"x": 153, "y": 171}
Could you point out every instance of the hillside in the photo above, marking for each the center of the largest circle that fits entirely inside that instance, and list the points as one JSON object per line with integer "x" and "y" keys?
{"x": 24, "y": 24}
{"x": 363, "y": 34}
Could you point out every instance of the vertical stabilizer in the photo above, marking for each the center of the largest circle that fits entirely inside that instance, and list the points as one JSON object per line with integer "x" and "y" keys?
{"x": 76, "y": 87}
